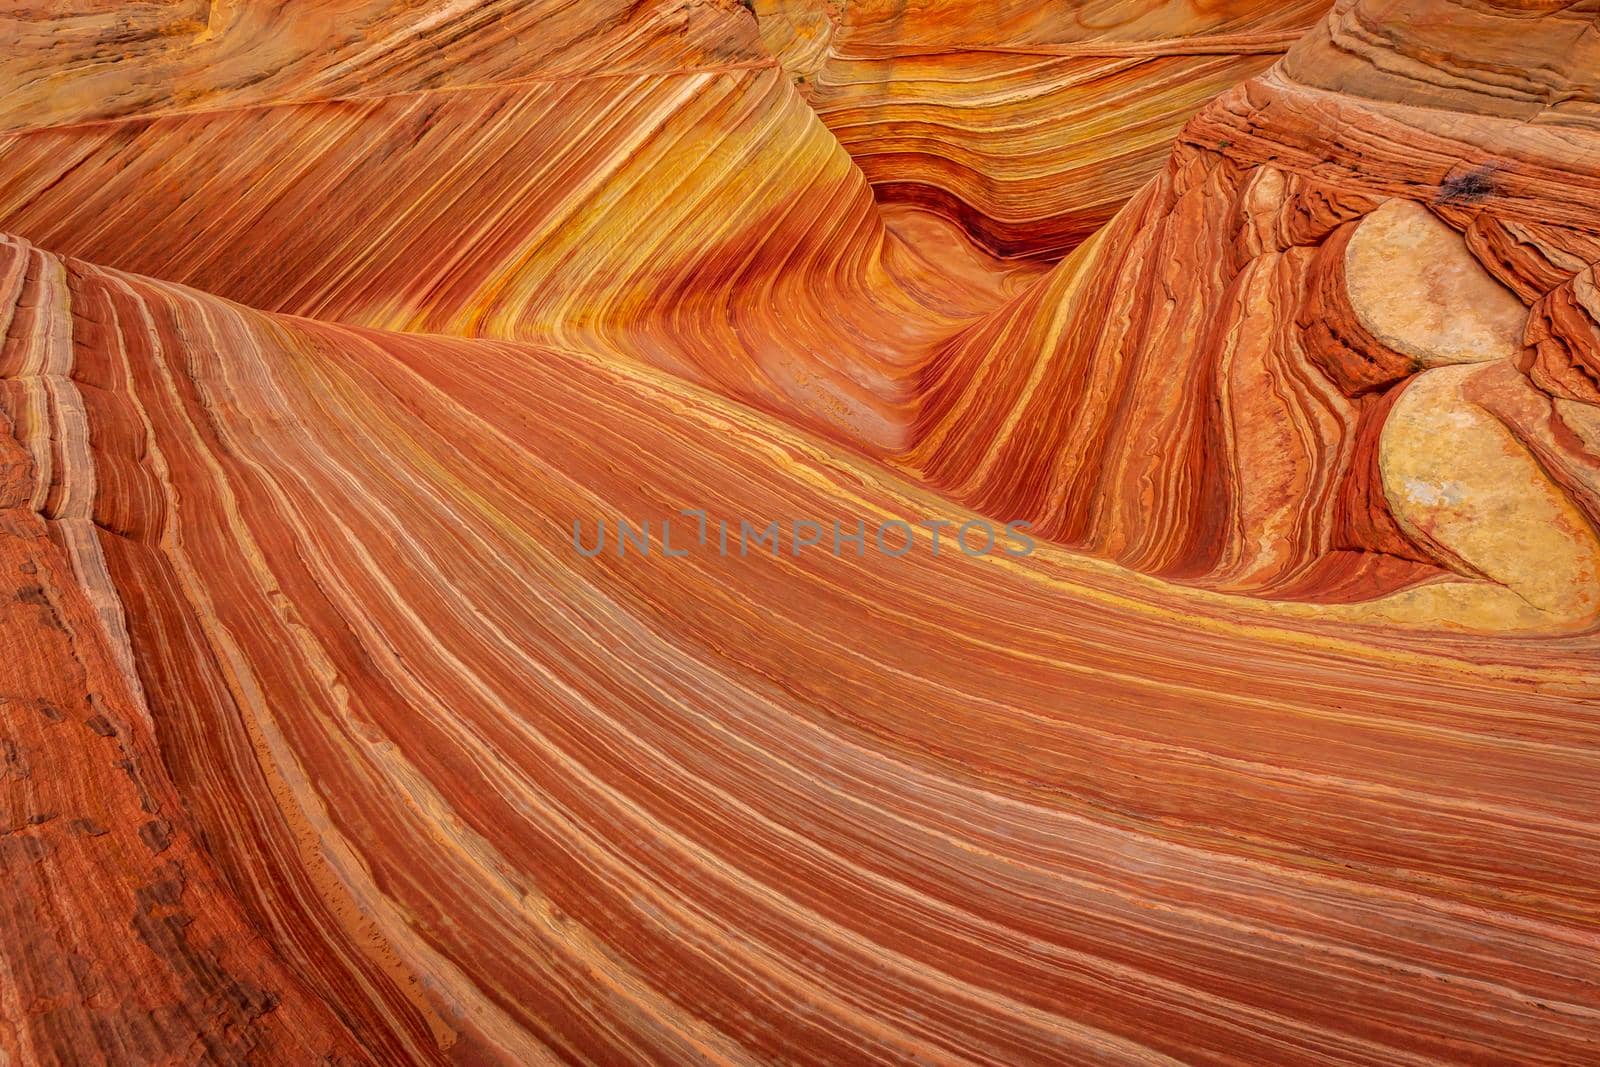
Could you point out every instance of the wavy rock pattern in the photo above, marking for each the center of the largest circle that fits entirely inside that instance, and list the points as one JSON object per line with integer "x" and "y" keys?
{"x": 117, "y": 935}
{"x": 429, "y": 741}
{"x": 1215, "y": 388}
{"x": 323, "y": 742}
{"x": 1029, "y": 123}
{"x": 105, "y": 60}
{"x": 535, "y": 213}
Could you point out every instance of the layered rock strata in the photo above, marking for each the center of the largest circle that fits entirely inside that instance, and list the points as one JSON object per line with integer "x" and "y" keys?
{"x": 325, "y": 738}
{"x": 488, "y": 798}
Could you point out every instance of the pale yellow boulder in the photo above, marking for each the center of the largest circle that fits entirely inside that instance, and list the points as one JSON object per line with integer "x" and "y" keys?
{"x": 1416, "y": 287}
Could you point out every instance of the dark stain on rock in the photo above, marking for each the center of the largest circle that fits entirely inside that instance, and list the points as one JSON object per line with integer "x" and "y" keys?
{"x": 147, "y": 803}
{"x": 1463, "y": 186}
{"x": 34, "y": 595}
{"x": 101, "y": 725}
{"x": 13, "y": 763}
{"x": 17, "y": 850}
{"x": 156, "y": 835}
{"x": 229, "y": 1033}
{"x": 87, "y": 828}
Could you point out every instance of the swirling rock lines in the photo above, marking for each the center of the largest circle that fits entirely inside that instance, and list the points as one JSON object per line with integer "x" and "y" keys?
{"x": 76, "y": 66}
{"x": 366, "y": 639}
{"x": 320, "y": 741}
{"x": 1031, "y": 123}
{"x": 534, "y": 213}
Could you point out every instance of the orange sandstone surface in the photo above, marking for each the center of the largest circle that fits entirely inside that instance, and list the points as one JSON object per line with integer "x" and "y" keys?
{"x": 322, "y": 741}
{"x": 1030, "y": 122}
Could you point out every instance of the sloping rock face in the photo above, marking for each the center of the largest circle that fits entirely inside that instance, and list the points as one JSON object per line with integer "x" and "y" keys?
{"x": 701, "y": 220}
{"x": 330, "y": 733}
{"x": 488, "y": 798}
{"x": 118, "y": 937}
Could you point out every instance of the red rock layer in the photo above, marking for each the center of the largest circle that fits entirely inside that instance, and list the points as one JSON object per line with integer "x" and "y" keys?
{"x": 1148, "y": 436}
{"x": 118, "y": 939}
{"x": 492, "y": 799}
{"x": 1564, "y": 340}
{"x": 1190, "y": 432}
{"x": 1532, "y": 60}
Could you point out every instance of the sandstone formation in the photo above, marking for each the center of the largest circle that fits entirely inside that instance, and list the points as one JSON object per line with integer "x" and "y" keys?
{"x": 536, "y": 213}
{"x": 487, "y": 796}
{"x": 322, "y": 740}
{"x": 1031, "y": 122}
{"x": 1292, "y": 367}
{"x": 88, "y": 61}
